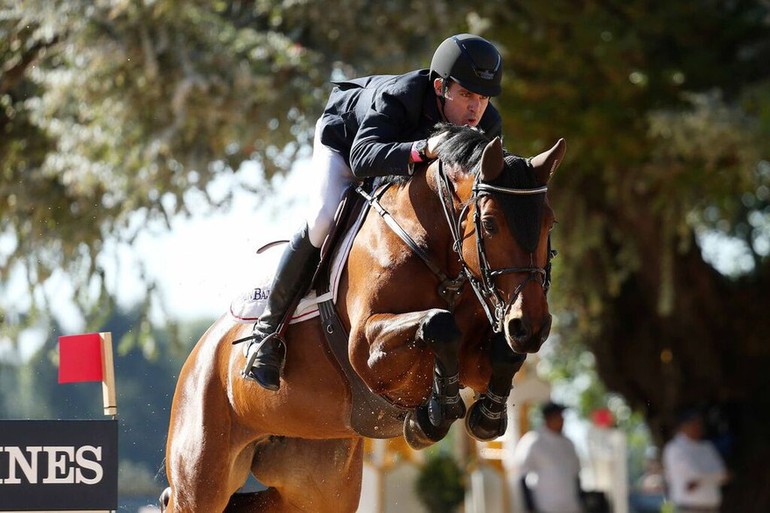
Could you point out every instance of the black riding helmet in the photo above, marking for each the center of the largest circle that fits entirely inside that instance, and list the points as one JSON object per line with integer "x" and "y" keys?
{"x": 471, "y": 61}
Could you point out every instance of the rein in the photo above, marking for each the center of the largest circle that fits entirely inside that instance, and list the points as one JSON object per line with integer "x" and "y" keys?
{"x": 450, "y": 289}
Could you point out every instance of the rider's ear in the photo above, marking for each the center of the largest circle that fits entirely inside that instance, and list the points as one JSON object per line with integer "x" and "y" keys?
{"x": 492, "y": 162}
{"x": 438, "y": 87}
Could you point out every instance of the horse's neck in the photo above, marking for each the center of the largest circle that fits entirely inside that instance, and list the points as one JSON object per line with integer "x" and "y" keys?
{"x": 420, "y": 198}
{"x": 430, "y": 227}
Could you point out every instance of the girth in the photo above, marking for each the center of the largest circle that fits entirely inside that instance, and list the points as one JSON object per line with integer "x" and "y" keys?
{"x": 371, "y": 415}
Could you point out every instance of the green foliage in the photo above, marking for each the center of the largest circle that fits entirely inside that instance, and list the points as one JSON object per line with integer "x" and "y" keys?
{"x": 440, "y": 486}
{"x": 658, "y": 125}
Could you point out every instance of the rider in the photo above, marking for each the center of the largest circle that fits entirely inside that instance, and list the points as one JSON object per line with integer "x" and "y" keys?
{"x": 375, "y": 126}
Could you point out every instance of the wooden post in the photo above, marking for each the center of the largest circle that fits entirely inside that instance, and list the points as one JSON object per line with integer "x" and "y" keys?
{"x": 108, "y": 372}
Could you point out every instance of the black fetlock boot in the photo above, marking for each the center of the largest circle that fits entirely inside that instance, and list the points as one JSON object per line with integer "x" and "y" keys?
{"x": 266, "y": 353}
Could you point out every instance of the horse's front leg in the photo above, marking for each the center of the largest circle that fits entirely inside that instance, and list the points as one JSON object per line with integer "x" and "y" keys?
{"x": 487, "y": 418}
{"x": 406, "y": 336}
{"x": 440, "y": 333}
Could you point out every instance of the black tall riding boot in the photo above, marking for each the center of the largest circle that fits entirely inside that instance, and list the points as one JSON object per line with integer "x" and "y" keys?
{"x": 266, "y": 353}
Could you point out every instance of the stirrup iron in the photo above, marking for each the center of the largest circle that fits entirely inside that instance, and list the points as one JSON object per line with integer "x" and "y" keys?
{"x": 251, "y": 354}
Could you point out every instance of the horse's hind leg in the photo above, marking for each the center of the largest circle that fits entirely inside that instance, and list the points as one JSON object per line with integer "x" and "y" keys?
{"x": 205, "y": 463}
{"x": 204, "y": 480}
{"x": 322, "y": 476}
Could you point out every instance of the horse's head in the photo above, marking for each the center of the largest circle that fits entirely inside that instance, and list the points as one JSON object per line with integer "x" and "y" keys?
{"x": 506, "y": 244}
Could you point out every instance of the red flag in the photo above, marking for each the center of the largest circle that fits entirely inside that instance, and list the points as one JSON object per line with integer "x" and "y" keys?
{"x": 80, "y": 358}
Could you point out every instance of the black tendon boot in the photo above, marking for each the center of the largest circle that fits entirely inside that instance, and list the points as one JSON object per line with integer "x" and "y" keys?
{"x": 266, "y": 353}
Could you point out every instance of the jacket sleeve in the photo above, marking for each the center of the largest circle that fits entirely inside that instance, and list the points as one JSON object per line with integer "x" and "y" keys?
{"x": 378, "y": 147}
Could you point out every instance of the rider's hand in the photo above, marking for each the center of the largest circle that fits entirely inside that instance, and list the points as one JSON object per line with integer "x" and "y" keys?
{"x": 431, "y": 151}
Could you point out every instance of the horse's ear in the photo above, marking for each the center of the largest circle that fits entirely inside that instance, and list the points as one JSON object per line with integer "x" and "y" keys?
{"x": 546, "y": 163}
{"x": 492, "y": 163}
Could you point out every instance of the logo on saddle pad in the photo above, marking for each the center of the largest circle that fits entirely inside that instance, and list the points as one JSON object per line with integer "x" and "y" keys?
{"x": 259, "y": 294}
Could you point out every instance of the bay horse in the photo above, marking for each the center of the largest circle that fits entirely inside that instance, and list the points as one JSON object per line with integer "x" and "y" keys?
{"x": 416, "y": 336}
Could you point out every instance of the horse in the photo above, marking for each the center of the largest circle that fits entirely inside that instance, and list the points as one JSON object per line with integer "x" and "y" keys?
{"x": 446, "y": 288}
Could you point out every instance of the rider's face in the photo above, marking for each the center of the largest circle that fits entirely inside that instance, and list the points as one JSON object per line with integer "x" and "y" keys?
{"x": 461, "y": 106}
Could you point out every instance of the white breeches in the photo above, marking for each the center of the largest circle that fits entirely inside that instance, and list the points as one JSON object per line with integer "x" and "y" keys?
{"x": 335, "y": 177}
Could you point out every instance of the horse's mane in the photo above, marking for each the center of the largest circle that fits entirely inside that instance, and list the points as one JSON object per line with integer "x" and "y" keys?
{"x": 462, "y": 146}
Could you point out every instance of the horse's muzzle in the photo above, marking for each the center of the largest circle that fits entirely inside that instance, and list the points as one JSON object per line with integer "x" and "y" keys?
{"x": 523, "y": 337}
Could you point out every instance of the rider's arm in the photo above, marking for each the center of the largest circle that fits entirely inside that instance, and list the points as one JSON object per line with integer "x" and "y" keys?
{"x": 378, "y": 148}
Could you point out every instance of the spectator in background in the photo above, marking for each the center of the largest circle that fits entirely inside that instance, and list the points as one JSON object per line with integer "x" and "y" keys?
{"x": 649, "y": 493}
{"x": 694, "y": 470}
{"x": 549, "y": 467}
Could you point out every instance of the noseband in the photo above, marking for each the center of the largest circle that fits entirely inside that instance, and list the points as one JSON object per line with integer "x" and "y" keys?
{"x": 489, "y": 296}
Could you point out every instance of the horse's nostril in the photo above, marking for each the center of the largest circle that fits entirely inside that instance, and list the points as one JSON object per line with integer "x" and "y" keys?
{"x": 546, "y": 329}
{"x": 518, "y": 329}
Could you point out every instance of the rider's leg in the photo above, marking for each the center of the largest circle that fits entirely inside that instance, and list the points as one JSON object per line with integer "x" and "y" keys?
{"x": 266, "y": 354}
{"x": 295, "y": 270}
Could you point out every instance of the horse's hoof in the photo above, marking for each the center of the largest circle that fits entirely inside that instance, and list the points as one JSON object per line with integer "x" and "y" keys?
{"x": 419, "y": 433}
{"x": 165, "y": 496}
{"x": 483, "y": 428}
{"x": 440, "y": 412}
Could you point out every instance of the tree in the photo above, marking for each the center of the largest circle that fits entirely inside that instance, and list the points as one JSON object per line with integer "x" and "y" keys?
{"x": 440, "y": 485}
{"x": 665, "y": 110}
{"x": 118, "y": 113}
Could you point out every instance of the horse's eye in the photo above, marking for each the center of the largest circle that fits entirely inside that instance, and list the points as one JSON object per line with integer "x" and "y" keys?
{"x": 489, "y": 225}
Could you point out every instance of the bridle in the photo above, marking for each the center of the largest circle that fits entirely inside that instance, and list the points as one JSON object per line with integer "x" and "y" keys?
{"x": 489, "y": 296}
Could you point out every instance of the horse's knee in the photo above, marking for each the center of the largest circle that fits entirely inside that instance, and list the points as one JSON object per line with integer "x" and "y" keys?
{"x": 439, "y": 331}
